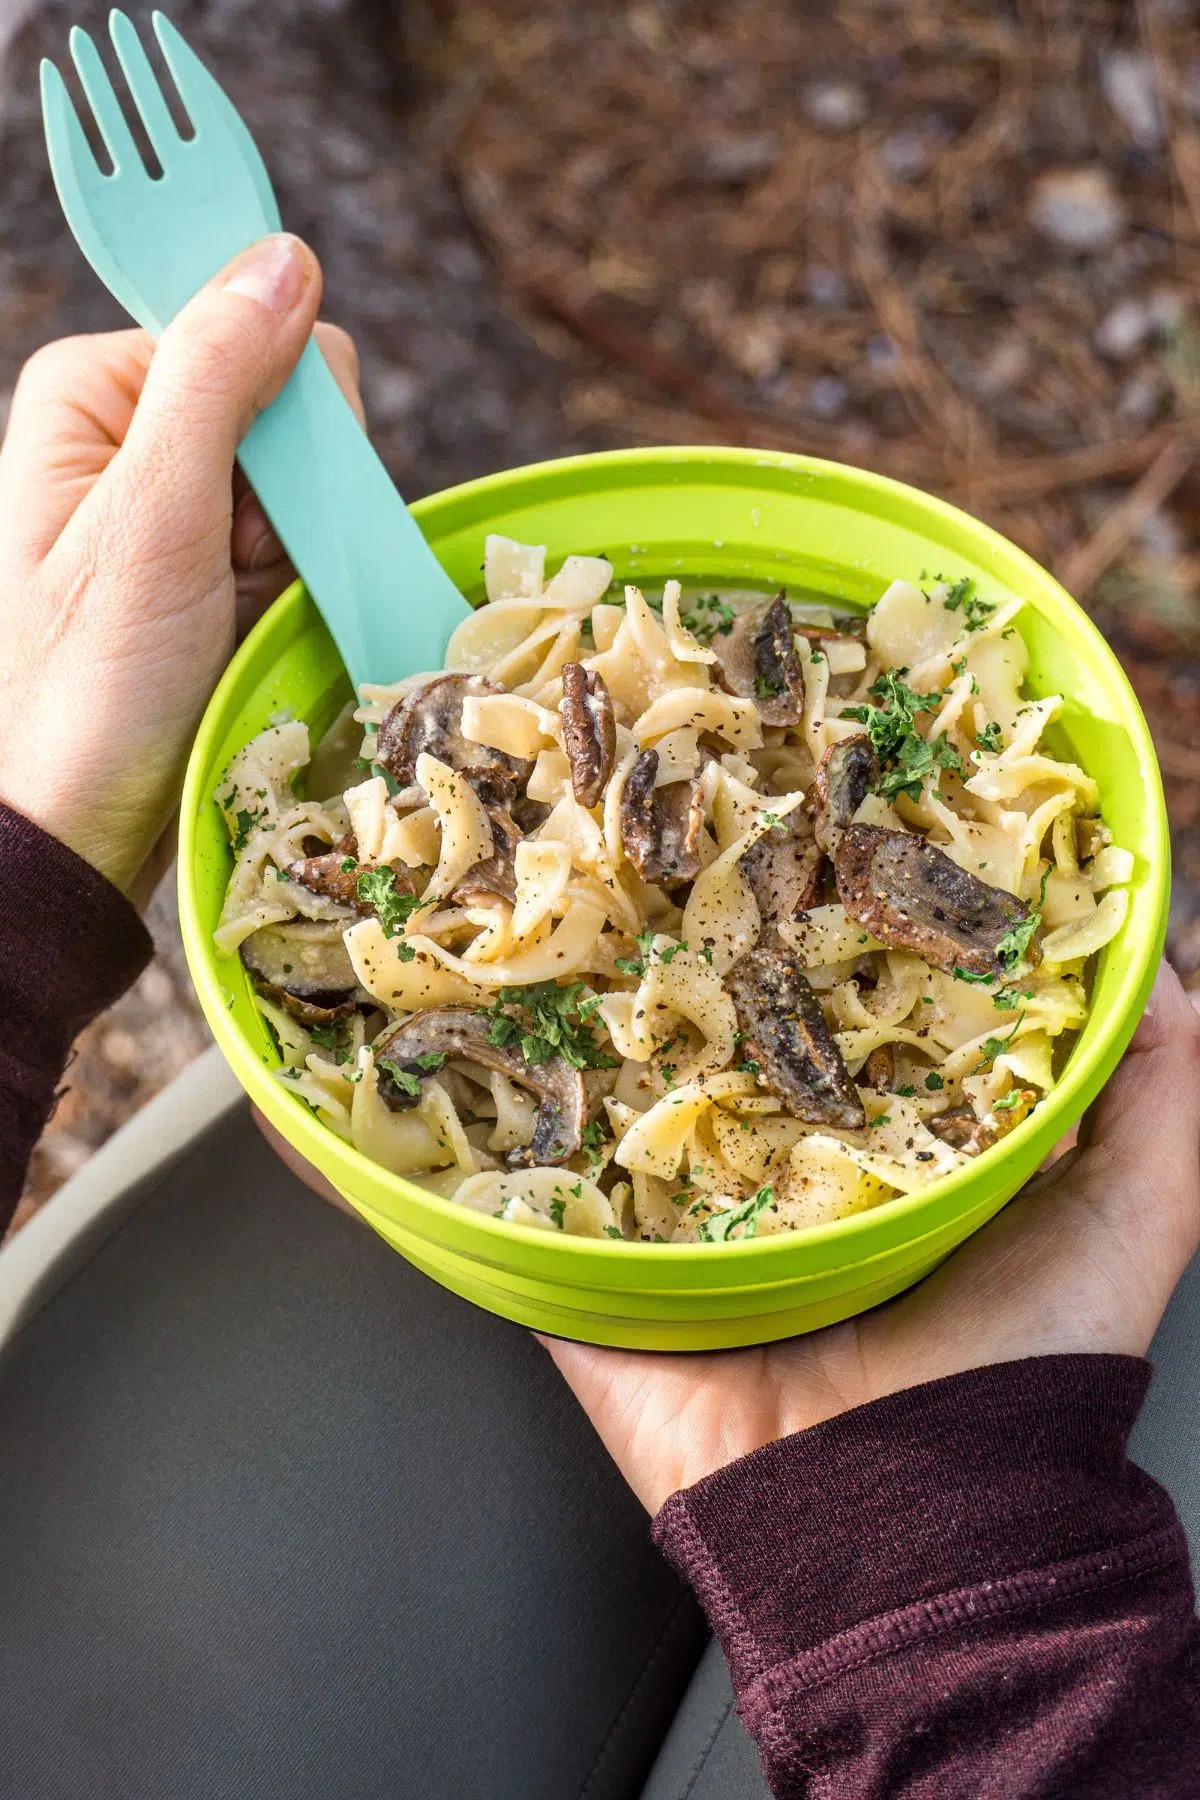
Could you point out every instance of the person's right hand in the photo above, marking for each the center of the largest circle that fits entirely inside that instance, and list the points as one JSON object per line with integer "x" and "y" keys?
{"x": 1083, "y": 1260}
{"x": 127, "y": 548}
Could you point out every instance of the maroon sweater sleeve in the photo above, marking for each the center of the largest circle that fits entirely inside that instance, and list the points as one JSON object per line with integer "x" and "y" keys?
{"x": 963, "y": 1589}
{"x": 70, "y": 944}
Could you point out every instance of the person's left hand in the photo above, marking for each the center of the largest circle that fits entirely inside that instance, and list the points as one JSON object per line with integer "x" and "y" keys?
{"x": 129, "y": 552}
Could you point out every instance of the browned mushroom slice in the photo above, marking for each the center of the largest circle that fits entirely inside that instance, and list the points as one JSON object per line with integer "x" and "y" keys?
{"x": 784, "y": 1032}
{"x": 495, "y": 878}
{"x": 879, "y": 1070}
{"x": 845, "y": 777}
{"x": 325, "y": 875}
{"x": 589, "y": 731}
{"x": 660, "y": 827}
{"x": 758, "y": 661}
{"x": 462, "y": 1031}
{"x": 911, "y": 896}
{"x": 785, "y": 868}
{"x": 430, "y": 718}
{"x": 961, "y": 1130}
{"x": 303, "y": 967}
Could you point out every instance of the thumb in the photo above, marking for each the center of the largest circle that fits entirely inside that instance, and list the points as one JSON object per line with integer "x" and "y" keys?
{"x": 220, "y": 361}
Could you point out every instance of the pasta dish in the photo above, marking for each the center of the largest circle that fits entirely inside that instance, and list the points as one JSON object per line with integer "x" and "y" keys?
{"x": 689, "y": 919}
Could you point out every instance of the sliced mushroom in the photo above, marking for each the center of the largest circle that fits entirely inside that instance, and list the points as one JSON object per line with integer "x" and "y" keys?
{"x": 879, "y": 1070}
{"x": 529, "y": 814}
{"x": 784, "y": 1032}
{"x": 324, "y": 875}
{"x": 495, "y": 878}
{"x": 846, "y": 625}
{"x": 911, "y": 896}
{"x": 462, "y": 1031}
{"x": 305, "y": 968}
{"x": 430, "y": 718}
{"x": 589, "y": 731}
{"x": 959, "y": 1128}
{"x": 846, "y": 774}
{"x": 758, "y": 661}
{"x": 660, "y": 827}
{"x": 785, "y": 868}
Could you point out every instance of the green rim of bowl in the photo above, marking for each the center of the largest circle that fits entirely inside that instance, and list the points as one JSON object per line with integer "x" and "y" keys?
{"x": 463, "y": 513}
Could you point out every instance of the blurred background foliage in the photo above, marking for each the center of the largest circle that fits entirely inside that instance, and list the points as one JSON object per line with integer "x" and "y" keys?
{"x": 954, "y": 240}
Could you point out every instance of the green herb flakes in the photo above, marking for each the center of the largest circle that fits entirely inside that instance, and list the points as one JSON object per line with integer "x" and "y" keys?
{"x": 377, "y": 888}
{"x": 709, "y": 616}
{"x": 1013, "y": 945}
{"x": 739, "y": 1223}
{"x": 544, "y": 1020}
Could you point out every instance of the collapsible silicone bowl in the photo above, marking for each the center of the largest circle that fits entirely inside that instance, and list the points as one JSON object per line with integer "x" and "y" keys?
{"x": 738, "y": 518}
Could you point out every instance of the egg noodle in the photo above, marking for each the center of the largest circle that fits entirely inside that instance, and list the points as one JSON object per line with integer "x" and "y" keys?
{"x": 684, "y": 920}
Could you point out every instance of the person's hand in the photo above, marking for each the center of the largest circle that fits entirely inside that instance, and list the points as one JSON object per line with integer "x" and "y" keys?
{"x": 126, "y": 547}
{"x": 1084, "y": 1260}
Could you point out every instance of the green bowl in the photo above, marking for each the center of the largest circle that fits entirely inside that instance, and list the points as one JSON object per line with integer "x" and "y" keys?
{"x": 738, "y": 517}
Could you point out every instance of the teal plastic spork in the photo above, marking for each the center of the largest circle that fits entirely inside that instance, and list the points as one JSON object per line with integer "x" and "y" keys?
{"x": 154, "y": 241}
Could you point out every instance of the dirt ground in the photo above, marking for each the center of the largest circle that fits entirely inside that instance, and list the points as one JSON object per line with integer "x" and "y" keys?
{"x": 956, "y": 242}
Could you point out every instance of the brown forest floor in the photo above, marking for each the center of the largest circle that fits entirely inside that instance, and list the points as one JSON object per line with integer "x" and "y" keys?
{"x": 956, "y": 242}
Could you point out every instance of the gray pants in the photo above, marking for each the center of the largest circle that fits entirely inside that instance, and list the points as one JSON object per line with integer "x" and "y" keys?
{"x": 282, "y": 1520}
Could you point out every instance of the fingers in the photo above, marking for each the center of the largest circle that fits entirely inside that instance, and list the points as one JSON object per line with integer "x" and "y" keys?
{"x": 1139, "y": 1175}
{"x": 1144, "y": 1129}
{"x": 301, "y": 1168}
{"x": 70, "y": 410}
{"x": 218, "y": 363}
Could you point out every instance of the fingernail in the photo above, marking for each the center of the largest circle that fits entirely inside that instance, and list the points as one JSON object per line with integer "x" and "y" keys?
{"x": 275, "y": 272}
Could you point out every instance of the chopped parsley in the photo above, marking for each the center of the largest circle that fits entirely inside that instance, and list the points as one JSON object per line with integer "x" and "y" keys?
{"x": 593, "y": 1138}
{"x": 992, "y": 1046}
{"x": 377, "y": 888}
{"x": 331, "y": 1037}
{"x": 905, "y": 757}
{"x": 1005, "y": 998}
{"x": 347, "y": 863}
{"x": 934, "y": 1082}
{"x": 246, "y": 822}
{"x": 636, "y": 965}
{"x": 740, "y": 1222}
{"x": 544, "y": 1020}
{"x": 708, "y": 617}
{"x": 405, "y": 1080}
{"x": 905, "y": 1093}
{"x": 989, "y": 738}
{"x": 766, "y": 689}
{"x": 1007, "y": 1101}
{"x": 1013, "y": 945}
{"x": 613, "y": 1231}
{"x": 558, "y": 1207}
{"x": 976, "y": 612}
{"x": 882, "y": 1119}
{"x": 961, "y": 974}
{"x": 748, "y": 1067}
